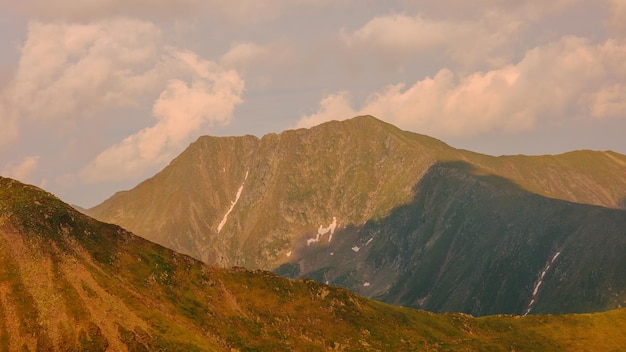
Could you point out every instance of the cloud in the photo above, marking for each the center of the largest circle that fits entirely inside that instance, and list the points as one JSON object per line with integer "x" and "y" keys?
{"x": 9, "y": 131}
{"x": 182, "y": 111}
{"x": 71, "y": 10}
{"x": 333, "y": 107}
{"x": 471, "y": 34}
{"x": 549, "y": 83}
{"x": 617, "y": 16}
{"x": 92, "y": 71}
{"x": 87, "y": 67}
{"x": 245, "y": 55}
{"x": 98, "y": 9}
{"x": 609, "y": 102}
{"x": 22, "y": 171}
{"x": 455, "y": 9}
{"x": 261, "y": 64}
{"x": 395, "y": 38}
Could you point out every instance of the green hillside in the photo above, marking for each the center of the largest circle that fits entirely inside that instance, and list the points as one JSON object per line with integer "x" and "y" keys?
{"x": 68, "y": 282}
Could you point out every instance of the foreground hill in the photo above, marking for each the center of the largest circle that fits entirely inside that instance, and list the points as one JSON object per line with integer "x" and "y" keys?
{"x": 68, "y": 282}
{"x": 397, "y": 216}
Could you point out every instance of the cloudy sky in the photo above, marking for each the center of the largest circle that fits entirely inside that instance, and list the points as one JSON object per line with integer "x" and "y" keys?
{"x": 97, "y": 95}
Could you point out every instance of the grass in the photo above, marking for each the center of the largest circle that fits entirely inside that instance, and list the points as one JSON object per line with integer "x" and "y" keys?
{"x": 191, "y": 306}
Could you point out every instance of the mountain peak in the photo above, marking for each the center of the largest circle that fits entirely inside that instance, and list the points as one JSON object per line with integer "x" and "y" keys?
{"x": 302, "y": 201}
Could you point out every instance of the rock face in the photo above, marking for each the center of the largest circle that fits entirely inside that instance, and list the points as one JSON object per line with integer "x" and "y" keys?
{"x": 395, "y": 215}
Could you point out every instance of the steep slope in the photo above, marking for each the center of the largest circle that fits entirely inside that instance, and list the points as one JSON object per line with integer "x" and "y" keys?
{"x": 479, "y": 244}
{"x": 68, "y": 282}
{"x": 262, "y": 203}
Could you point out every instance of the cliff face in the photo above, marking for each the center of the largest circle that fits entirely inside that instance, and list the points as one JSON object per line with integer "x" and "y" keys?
{"x": 302, "y": 202}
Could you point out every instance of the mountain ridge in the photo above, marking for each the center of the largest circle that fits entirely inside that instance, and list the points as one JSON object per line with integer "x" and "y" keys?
{"x": 69, "y": 282}
{"x": 262, "y": 202}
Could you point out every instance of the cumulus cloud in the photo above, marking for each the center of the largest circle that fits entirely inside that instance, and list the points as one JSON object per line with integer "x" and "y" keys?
{"x": 87, "y": 67}
{"x": 110, "y": 64}
{"x": 182, "y": 111}
{"x": 336, "y": 106}
{"x": 471, "y": 34}
{"x": 394, "y": 38}
{"x": 22, "y": 171}
{"x": 546, "y": 84}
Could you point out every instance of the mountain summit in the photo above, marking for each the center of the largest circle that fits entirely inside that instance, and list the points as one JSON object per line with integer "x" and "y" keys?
{"x": 395, "y": 215}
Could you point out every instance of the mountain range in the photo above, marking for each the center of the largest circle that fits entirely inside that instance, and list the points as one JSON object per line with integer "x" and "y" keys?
{"x": 71, "y": 283}
{"x": 396, "y": 216}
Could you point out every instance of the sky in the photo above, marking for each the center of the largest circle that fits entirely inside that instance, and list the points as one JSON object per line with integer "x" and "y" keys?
{"x": 98, "y": 95}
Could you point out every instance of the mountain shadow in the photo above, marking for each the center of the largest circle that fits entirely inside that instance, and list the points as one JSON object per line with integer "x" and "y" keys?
{"x": 480, "y": 244}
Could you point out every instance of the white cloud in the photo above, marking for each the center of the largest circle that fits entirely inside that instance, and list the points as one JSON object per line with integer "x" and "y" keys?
{"x": 472, "y": 34}
{"x": 183, "y": 111}
{"x": 94, "y": 68}
{"x": 548, "y": 83}
{"x": 87, "y": 67}
{"x": 22, "y": 171}
{"x": 333, "y": 107}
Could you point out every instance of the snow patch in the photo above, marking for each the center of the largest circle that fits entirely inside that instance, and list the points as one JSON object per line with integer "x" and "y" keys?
{"x": 289, "y": 254}
{"x": 540, "y": 282}
{"x": 356, "y": 249}
{"x": 232, "y": 205}
{"x": 366, "y": 284}
{"x": 368, "y": 241}
{"x": 321, "y": 231}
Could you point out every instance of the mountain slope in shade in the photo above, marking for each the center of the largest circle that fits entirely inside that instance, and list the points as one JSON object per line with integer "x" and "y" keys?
{"x": 479, "y": 244}
{"x": 68, "y": 282}
{"x": 276, "y": 203}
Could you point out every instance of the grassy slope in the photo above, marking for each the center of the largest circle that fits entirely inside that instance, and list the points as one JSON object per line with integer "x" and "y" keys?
{"x": 112, "y": 289}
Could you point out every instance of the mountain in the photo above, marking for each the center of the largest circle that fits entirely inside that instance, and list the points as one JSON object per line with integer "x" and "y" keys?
{"x": 397, "y": 216}
{"x": 69, "y": 282}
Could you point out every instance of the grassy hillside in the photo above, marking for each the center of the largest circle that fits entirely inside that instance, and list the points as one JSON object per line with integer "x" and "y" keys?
{"x": 277, "y": 201}
{"x": 68, "y": 282}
